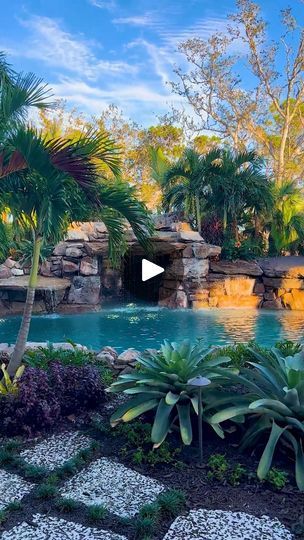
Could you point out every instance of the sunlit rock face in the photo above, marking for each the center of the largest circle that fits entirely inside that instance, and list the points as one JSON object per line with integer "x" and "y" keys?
{"x": 194, "y": 277}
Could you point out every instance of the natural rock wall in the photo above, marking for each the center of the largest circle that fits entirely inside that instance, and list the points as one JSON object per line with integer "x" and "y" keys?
{"x": 78, "y": 275}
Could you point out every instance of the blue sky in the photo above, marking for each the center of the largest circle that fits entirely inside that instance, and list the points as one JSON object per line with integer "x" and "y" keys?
{"x": 97, "y": 52}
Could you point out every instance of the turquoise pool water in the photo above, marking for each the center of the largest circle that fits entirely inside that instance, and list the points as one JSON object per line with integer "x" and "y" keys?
{"x": 144, "y": 327}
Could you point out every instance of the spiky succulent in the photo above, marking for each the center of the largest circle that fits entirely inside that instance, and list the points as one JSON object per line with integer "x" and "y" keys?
{"x": 163, "y": 384}
{"x": 275, "y": 405}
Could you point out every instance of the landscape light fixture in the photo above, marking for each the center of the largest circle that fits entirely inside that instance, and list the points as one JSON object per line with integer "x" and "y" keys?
{"x": 200, "y": 382}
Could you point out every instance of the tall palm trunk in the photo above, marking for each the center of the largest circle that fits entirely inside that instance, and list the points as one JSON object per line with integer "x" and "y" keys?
{"x": 23, "y": 333}
{"x": 225, "y": 220}
{"x": 198, "y": 214}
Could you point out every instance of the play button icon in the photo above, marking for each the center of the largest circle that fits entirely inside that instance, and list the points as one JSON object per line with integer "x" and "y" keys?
{"x": 150, "y": 270}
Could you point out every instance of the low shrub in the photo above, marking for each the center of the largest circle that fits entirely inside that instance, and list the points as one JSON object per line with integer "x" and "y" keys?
{"x": 46, "y": 395}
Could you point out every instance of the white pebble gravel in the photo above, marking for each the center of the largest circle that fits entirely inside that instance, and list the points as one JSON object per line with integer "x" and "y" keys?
{"x": 220, "y": 525}
{"x": 12, "y": 488}
{"x": 50, "y": 528}
{"x": 56, "y": 450}
{"x": 120, "y": 489}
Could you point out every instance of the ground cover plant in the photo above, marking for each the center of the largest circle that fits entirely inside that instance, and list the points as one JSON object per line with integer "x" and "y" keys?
{"x": 53, "y": 384}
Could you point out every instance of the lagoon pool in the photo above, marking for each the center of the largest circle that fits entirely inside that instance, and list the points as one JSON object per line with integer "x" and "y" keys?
{"x": 147, "y": 327}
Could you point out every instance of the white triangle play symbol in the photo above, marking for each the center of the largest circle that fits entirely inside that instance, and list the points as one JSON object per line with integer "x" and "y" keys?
{"x": 150, "y": 270}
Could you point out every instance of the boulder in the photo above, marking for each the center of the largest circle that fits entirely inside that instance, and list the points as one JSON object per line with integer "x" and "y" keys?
{"x": 17, "y": 272}
{"x": 249, "y": 268}
{"x": 190, "y": 236}
{"x": 95, "y": 249}
{"x": 109, "y": 350}
{"x": 89, "y": 266}
{"x": 187, "y": 269}
{"x": 74, "y": 252}
{"x": 293, "y": 299}
{"x": 259, "y": 288}
{"x": 69, "y": 267}
{"x": 46, "y": 269}
{"x": 188, "y": 252}
{"x": 77, "y": 234}
{"x": 5, "y": 272}
{"x": 85, "y": 290}
{"x": 272, "y": 304}
{"x": 127, "y": 358}
{"x": 283, "y": 283}
{"x": 237, "y": 301}
{"x": 10, "y": 263}
{"x": 290, "y": 267}
{"x": 59, "y": 250}
{"x": 203, "y": 251}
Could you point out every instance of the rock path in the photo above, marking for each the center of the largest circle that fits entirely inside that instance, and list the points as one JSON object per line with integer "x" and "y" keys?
{"x": 123, "y": 492}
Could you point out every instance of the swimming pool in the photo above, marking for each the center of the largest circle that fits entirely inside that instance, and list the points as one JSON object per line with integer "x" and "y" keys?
{"x": 147, "y": 327}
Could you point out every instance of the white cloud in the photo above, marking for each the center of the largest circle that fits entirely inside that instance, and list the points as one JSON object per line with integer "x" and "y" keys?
{"x": 107, "y": 4}
{"x": 138, "y": 100}
{"x": 159, "y": 57}
{"x": 140, "y": 20}
{"x": 56, "y": 47}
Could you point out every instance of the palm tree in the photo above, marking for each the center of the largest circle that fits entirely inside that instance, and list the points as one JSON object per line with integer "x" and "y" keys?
{"x": 287, "y": 218}
{"x": 239, "y": 185}
{"x": 46, "y": 184}
{"x": 186, "y": 183}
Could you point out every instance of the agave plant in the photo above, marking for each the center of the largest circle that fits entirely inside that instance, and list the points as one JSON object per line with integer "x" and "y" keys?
{"x": 275, "y": 403}
{"x": 163, "y": 383}
{"x": 9, "y": 385}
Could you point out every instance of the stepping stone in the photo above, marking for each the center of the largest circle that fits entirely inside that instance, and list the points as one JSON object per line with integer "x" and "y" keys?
{"x": 51, "y": 528}
{"x": 220, "y": 525}
{"x": 12, "y": 488}
{"x": 56, "y": 450}
{"x": 120, "y": 489}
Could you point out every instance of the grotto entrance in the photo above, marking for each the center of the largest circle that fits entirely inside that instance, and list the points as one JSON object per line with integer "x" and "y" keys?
{"x": 136, "y": 290}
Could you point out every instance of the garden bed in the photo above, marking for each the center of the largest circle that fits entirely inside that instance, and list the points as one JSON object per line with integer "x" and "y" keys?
{"x": 183, "y": 472}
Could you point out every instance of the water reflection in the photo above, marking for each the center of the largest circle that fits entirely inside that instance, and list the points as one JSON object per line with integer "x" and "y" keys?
{"x": 239, "y": 327}
{"x": 141, "y": 328}
{"x": 292, "y": 323}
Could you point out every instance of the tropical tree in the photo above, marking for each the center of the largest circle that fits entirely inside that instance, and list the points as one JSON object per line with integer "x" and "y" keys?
{"x": 47, "y": 183}
{"x": 239, "y": 185}
{"x": 287, "y": 219}
{"x": 186, "y": 183}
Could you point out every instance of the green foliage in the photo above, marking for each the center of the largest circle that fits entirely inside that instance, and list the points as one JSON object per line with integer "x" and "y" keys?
{"x": 9, "y": 385}
{"x": 218, "y": 466}
{"x": 144, "y": 527}
{"x": 277, "y": 478}
{"x": 66, "y": 505}
{"x": 14, "y": 506}
{"x": 162, "y": 383}
{"x": 46, "y": 491}
{"x": 137, "y": 440}
{"x": 245, "y": 248}
{"x": 33, "y": 472}
{"x": 287, "y": 219}
{"x": 3, "y": 516}
{"x": 288, "y": 348}
{"x": 274, "y": 406}
{"x": 96, "y": 513}
{"x": 5, "y": 240}
{"x": 237, "y": 474}
{"x": 171, "y": 503}
{"x": 42, "y": 357}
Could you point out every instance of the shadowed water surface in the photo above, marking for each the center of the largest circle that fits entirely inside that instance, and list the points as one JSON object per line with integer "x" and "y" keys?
{"x": 144, "y": 327}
